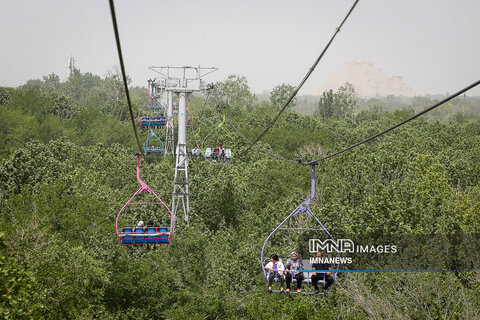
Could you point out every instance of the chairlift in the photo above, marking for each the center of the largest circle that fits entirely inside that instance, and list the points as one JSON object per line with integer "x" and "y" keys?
{"x": 302, "y": 213}
{"x": 175, "y": 106}
{"x": 152, "y": 113}
{"x": 153, "y": 144}
{"x": 220, "y": 135}
{"x": 134, "y": 237}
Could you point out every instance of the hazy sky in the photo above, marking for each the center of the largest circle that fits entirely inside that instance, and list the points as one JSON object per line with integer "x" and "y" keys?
{"x": 433, "y": 44}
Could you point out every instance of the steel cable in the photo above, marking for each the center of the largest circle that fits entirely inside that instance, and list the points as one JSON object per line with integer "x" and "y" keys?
{"x": 294, "y": 93}
{"x": 314, "y": 162}
{"x": 122, "y": 67}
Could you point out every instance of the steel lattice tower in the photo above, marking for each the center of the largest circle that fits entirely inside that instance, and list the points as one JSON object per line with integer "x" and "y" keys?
{"x": 186, "y": 81}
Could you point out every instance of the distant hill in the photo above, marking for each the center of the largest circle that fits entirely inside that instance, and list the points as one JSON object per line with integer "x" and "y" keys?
{"x": 368, "y": 80}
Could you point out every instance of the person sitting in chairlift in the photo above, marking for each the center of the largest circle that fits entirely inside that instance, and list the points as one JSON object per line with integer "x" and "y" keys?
{"x": 150, "y": 225}
{"x": 196, "y": 151}
{"x": 215, "y": 153}
{"x": 327, "y": 276}
{"x": 275, "y": 269}
{"x": 292, "y": 271}
{"x": 140, "y": 229}
{"x": 221, "y": 152}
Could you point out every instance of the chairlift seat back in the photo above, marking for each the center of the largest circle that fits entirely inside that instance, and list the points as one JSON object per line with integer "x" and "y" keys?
{"x": 152, "y": 238}
{"x": 139, "y": 236}
{"x": 127, "y": 239}
{"x": 163, "y": 238}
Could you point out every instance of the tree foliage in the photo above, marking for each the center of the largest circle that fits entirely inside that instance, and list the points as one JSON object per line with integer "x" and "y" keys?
{"x": 234, "y": 92}
{"x": 280, "y": 94}
{"x": 340, "y": 105}
{"x": 20, "y": 297}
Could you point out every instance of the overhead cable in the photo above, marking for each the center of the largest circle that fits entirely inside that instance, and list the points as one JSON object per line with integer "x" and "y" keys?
{"x": 294, "y": 93}
{"x": 314, "y": 162}
{"x": 398, "y": 124}
{"x": 124, "y": 76}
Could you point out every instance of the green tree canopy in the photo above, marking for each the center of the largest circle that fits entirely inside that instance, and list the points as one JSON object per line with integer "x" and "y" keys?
{"x": 280, "y": 94}
{"x": 342, "y": 104}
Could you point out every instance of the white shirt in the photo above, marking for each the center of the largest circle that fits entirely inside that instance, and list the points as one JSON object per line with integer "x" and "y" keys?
{"x": 280, "y": 266}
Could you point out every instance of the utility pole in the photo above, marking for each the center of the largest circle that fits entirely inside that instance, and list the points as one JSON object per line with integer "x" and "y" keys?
{"x": 183, "y": 82}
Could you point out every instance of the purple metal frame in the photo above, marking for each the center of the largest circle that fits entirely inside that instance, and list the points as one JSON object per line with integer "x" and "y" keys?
{"x": 302, "y": 208}
{"x": 144, "y": 187}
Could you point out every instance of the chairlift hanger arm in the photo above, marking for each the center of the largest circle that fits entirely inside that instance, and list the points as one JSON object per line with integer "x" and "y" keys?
{"x": 142, "y": 184}
{"x": 312, "y": 193}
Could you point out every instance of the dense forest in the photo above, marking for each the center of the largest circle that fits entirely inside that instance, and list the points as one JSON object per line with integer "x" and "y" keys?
{"x": 68, "y": 166}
